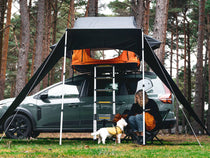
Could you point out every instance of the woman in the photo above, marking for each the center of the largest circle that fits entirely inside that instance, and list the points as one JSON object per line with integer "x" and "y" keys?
{"x": 136, "y": 113}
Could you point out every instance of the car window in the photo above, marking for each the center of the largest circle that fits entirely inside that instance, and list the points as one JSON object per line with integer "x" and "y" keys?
{"x": 122, "y": 86}
{"x": 158, "y": 86}
{"x": 131, "y": 85}
{"x": 70, "y": 91}
{"x": 106, "y": 86}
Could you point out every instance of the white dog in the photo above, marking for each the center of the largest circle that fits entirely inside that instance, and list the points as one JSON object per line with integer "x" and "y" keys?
{"x": 110, "y": 131}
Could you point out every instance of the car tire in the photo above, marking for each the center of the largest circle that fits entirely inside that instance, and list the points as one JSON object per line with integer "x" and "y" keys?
{"x": 34, "y": 134}
{"x": 19, "y": 128}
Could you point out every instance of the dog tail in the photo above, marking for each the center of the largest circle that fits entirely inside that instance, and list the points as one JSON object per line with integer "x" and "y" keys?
{"x": 95, "y": 133}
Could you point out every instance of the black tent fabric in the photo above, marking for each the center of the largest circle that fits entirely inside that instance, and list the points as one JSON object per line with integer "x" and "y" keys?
{"x": 111, "y": 32}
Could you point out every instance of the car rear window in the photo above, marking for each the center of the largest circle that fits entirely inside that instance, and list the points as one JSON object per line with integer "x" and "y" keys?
{"x": 122, "y": 86}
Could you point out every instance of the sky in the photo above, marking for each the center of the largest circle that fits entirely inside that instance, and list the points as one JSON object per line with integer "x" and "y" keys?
{"x": 105, "y": 10}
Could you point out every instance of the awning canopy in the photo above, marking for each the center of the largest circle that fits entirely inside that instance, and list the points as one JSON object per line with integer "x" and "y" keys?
{"x": 104, "y": 32}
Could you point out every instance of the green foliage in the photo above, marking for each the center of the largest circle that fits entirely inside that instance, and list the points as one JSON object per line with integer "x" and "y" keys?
{"x": 120, "y": 8}
{"x": 207, "y": 6}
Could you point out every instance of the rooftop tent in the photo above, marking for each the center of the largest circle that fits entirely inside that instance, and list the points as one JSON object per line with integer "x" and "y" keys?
{"x": 104, "y": 32}
{"x": 82, "y": 61}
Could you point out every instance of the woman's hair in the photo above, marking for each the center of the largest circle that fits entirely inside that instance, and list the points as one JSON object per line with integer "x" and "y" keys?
{"x": 140, "y": 94}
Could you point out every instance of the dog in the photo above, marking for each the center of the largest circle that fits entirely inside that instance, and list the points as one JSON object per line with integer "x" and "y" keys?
{"x": 110, "y": 131}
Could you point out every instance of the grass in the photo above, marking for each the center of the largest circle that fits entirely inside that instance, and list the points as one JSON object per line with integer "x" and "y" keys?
{"x": 185, "y": 146}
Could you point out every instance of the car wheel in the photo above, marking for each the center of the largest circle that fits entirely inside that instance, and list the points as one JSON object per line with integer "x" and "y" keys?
{"x": 19, "y": 128}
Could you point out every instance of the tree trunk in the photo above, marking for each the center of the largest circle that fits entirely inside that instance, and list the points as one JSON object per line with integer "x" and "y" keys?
{"x": 160, "y": 26}
{"x": 47, "y": 37}
{"x": 39, "y": 38}
{"x": 172, "y": 47}
{"x": 188, "y": 64}
{"x": 12, "y": 91}
{"x": 33, "y": 55}
{"x": 71, "y": 17}
{"x": 93, "y": 8}
{"x": 138, "y": 11}
{"x": 24, "y": 48}
{"x": 3, "y": 4}
{"x": 199, "y": 100}
{"x": 171, "y": 59}
{"x": 188, "y": 70}
{"x": 146, "y": 17}
{"x": 55, "y": 14}
{"x": 5, "y": 50}
{"x": 208, "y": 49}
{"x": 139, "y": 14}
{"x": 87, "y": 8}
{"x": 205, "y": 78}
{"x": 185, "y": 70}
{"x": 2, "y": 13}
{"x": 177, "y": 73}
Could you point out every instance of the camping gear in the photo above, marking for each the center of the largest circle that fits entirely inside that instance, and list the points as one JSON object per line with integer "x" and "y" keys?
{"x": 150, "y": 121}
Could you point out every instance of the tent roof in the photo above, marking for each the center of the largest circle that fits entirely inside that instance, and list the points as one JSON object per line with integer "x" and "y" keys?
{"x": 103, "y": 31}
{"x": 124, "y": 38}
{"x": 113, "y": 23}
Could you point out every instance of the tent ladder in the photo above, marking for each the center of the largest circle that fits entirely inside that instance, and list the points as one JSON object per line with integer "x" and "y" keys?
{"x": 103, "y": 72}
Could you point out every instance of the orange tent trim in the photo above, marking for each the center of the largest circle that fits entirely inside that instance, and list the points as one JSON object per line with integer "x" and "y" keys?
{"x": 82, "y": 57}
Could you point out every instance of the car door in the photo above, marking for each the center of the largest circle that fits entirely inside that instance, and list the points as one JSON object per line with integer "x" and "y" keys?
{"x": 86, "y": 113}
{"x": 49, "y": 107}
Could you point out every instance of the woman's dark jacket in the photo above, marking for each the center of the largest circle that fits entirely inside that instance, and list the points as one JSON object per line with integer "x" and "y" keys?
{"x": 151, "y": 107}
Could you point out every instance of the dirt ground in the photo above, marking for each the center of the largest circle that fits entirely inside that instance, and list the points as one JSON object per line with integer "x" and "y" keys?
{"x": 166, "y": 137}
{"x": 176, "y": 139}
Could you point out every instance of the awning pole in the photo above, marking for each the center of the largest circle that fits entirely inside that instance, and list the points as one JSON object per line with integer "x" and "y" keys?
{"x": 64, "y": 71}
{"x": 190, "y": 125}
{"x": 94, "y": 105}
{"x": 142, "y": 38}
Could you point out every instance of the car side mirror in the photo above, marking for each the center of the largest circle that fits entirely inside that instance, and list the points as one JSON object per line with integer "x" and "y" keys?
{"x": 44, "y": 96}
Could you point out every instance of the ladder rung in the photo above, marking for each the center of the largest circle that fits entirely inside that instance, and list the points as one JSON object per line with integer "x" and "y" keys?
{"x": 107, "y": 117}
{"x": 101, "y": 66}
{"x": 104, "y": 102}
{"x": 107, "y": 78}
{"x": 104, "y": 90}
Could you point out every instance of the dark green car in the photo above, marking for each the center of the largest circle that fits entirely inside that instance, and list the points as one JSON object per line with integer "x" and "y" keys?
{"x": 41, "y": 112}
